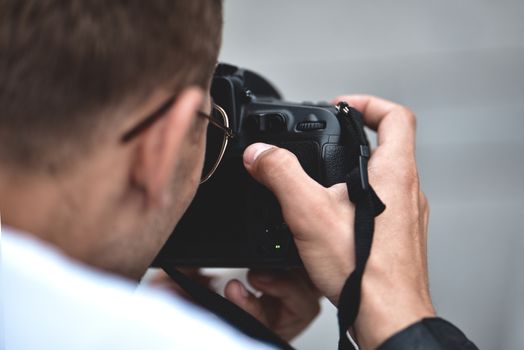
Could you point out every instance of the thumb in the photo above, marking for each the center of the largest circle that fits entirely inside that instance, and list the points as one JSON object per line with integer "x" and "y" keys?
{"x": 280, "y": 171}
{"x": 321, "y": 219}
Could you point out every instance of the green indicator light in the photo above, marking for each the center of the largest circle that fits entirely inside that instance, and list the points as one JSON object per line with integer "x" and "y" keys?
{"x": 277, "y": 246}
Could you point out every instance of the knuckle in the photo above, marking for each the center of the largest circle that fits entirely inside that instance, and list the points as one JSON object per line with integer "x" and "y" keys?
{"x": 410, "y": 177}
{"x": 423, "y": 201}
{"x": 424, "y": 204}
{"x": 407, "y": 115}
{"x": 403, "y": 174}
{"x": 406, "y": 173}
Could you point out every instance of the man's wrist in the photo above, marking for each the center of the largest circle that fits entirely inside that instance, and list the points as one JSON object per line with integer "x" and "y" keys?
{"x": 384, "y": 312}
{"x": 380, "y": 329}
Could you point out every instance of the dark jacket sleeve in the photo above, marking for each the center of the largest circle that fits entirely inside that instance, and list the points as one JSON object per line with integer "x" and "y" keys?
{"x": 429, "y": 334}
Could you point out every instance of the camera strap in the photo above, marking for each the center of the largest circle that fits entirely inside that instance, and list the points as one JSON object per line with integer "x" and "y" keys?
{"x": 367, "y": 206}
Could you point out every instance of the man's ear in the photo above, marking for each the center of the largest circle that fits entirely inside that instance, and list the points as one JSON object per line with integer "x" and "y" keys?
{"x": 159, "y": 147}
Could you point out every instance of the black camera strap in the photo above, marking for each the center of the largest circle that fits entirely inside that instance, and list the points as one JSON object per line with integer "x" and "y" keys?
{"x": 367, "y": 207}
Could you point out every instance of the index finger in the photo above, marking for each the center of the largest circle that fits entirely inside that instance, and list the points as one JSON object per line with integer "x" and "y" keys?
{"x": 395, "y": 124}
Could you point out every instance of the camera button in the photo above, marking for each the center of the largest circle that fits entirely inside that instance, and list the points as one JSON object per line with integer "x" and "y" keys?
{"x": 267, "y": 122}
{"x": 310, "y": 126}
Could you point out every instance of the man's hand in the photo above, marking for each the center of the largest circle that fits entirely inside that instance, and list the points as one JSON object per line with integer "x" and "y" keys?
{"x": 287, "y": 305}
{"x": 320, "y": 218}
{"x": 395, "y": 283}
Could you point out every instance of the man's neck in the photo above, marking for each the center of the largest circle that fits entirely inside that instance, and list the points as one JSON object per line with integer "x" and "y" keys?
{"x": 40, "y": 207}
{"x": 27, "y": 206}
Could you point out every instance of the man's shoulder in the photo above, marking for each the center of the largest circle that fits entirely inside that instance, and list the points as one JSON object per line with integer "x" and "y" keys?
{"x": 51, "y": 299}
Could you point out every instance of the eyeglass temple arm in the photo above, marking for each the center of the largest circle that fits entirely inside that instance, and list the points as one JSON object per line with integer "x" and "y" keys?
{"x": 228, "y": 131}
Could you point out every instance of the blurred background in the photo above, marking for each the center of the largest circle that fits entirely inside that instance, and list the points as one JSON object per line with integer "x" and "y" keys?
{"x": 460, "y": 66}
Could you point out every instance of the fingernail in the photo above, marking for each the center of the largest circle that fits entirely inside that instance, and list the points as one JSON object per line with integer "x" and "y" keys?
{"x": 252, "y": 152}
{"x": 243, "y": 290}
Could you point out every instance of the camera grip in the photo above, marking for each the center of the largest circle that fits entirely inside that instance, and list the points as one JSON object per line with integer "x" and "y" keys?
{"x": 336, "y": 164}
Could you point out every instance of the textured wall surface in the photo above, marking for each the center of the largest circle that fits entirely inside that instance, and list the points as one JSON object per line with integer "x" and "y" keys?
{"x": 460, "y": 66}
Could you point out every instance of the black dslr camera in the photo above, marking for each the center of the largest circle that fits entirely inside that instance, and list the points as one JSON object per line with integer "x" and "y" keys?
{"x": 236, "y": 222}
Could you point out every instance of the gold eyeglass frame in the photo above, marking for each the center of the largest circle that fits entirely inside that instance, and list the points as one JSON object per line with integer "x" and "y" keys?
{"x": 161, "y": 111}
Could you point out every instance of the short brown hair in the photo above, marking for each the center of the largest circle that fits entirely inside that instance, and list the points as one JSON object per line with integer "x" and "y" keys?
{"x": 65, "y": 63}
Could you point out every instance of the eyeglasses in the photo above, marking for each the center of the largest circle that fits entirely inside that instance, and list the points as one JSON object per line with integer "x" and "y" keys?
{"x": 217, "y": 137}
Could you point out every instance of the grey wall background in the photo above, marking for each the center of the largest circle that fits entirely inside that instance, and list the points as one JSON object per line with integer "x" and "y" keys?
{"x": 459, "y": 64}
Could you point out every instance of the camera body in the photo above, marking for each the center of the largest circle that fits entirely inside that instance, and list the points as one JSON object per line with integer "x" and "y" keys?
{"x": 233, "y": 220}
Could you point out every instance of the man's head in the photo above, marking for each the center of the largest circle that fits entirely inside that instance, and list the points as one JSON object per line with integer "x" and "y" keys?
{"x": 74, "y": 77}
